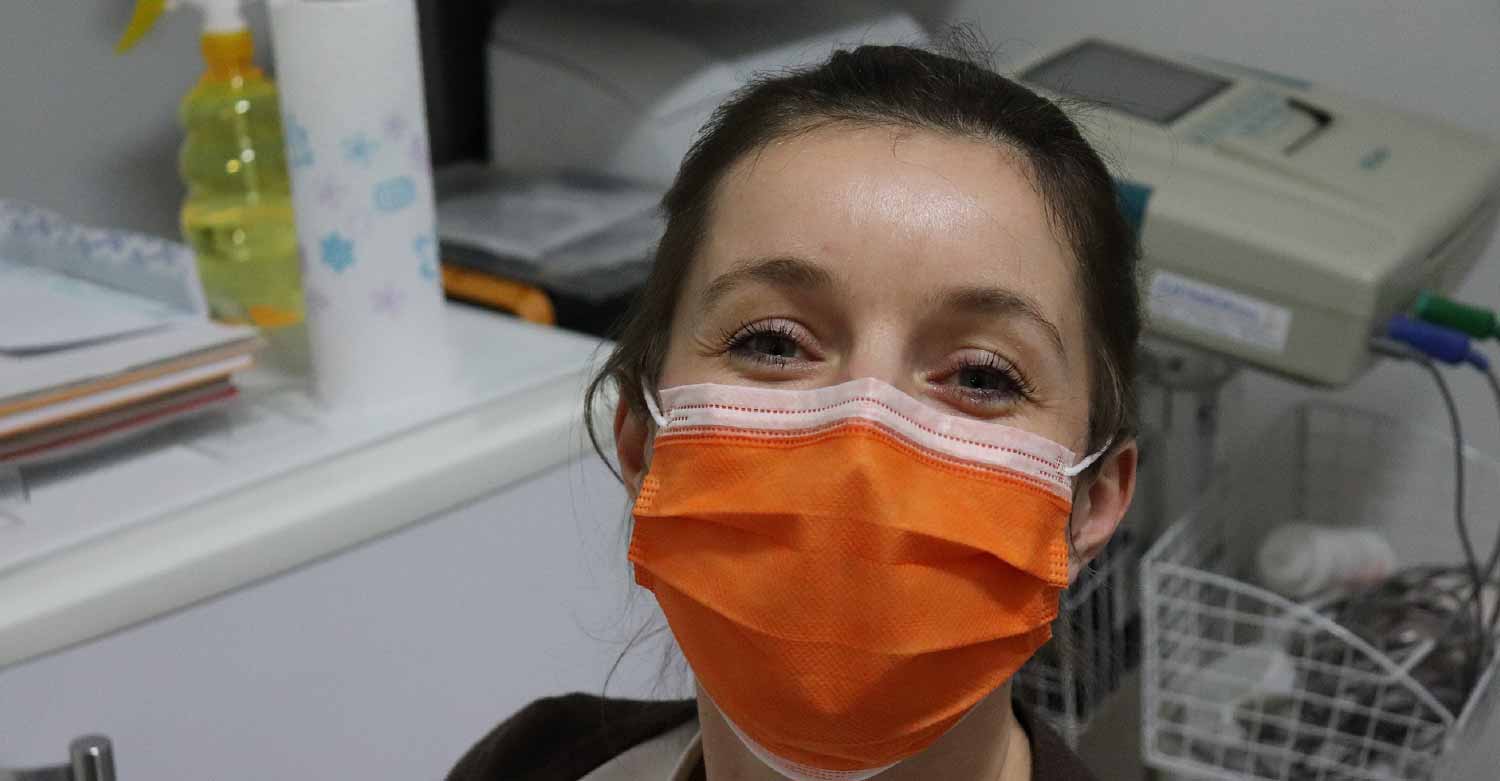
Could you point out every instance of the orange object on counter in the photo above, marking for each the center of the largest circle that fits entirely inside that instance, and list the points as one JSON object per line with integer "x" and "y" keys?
{"x": 523, "y": 301}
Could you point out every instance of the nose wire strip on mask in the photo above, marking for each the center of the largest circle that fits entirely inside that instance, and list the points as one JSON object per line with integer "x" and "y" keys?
{"x": 1073, "y": 471}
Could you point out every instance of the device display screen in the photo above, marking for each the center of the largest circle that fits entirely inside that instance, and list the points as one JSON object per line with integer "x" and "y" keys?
{"x": 1153, "y": 89}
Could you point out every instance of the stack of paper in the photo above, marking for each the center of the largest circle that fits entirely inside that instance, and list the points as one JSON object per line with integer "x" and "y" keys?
{"x": 103, "y": 334}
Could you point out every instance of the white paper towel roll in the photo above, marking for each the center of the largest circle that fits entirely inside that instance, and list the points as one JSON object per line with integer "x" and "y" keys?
{"x": 356, "y": 142}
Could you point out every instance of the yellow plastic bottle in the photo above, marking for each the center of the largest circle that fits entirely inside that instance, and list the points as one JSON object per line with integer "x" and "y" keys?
{"x": 238, "y": 212}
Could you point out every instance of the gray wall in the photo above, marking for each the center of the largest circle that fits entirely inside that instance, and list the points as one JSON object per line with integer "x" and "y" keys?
{"x": 89, "y": 133}
{"x": 1436, "y": 56}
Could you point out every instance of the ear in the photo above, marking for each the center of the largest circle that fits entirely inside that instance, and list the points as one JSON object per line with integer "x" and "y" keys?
{"x": 631, "y": 435}
{"x": 1101, "y": 505}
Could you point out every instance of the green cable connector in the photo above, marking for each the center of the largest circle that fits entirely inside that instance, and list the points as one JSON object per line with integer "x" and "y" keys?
{"x": 1475, "y": 321}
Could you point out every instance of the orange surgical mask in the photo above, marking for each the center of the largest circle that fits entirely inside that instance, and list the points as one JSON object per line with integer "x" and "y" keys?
{"x": 848, "y": 570}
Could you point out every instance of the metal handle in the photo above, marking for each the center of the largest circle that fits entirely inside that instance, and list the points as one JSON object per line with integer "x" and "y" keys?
{"x": 93, "y": 758}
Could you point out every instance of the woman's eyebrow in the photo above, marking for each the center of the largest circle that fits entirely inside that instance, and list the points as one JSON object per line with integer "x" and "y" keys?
{"x": 782, "y": 271}
{"x": 999, "y": 302}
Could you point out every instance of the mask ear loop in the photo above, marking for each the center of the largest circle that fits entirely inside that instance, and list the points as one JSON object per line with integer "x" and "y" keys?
{"x": 1077, "y": 469}
{"x": 651, "y": 405}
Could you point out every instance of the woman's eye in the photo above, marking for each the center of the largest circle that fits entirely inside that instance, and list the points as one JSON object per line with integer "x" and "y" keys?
{"x": 770, "y": 345}
{"x": 984, "y": 380}
{"x": 776, "y": 343}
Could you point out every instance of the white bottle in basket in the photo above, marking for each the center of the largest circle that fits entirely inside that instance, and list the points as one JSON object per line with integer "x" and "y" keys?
{"x": 1299, "y": 560}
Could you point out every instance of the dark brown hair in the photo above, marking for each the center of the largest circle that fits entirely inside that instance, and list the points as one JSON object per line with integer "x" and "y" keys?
{"x": 912, "y": 88}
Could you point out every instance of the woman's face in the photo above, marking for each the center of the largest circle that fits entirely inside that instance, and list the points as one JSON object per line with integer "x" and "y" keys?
{"x": 923, "y": 260}
{"x": 919, "y": 259}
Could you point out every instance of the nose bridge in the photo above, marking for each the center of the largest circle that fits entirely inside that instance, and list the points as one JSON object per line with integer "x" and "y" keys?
{"x": 882, "y": 351}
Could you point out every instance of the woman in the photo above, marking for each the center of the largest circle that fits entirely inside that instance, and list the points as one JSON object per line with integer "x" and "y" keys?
{"x": 894, "y": 306}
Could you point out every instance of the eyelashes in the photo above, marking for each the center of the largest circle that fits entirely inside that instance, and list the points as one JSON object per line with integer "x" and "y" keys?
{"x": 975, "y": 380}
{"x": 987, "y": 378}
{"x": 767, "y": 342}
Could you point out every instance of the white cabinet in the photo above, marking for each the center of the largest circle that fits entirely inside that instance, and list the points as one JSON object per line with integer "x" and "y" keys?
{"x": 382, "y": 662}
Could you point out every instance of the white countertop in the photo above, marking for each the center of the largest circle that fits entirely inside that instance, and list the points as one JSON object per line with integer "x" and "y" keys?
{"x": 228, "y": 500}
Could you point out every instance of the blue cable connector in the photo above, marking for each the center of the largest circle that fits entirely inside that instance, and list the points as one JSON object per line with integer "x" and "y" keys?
{"x": 1436, "y": 342}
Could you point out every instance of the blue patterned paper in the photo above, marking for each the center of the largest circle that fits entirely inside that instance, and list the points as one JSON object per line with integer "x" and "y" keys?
{"x": 395, "y": 126}
{"x": 299, "y": 152}
{"x": 360, "y": 149}
{"x": 394, "y": 194}
{"x": 426, "y": 251}
{"x": 367, "y": 183}
{"x": 338, "y": 252}
{"x": 332, "y": 192}
{"x": 147, "y": 266}
{"x": 387, "y": 300}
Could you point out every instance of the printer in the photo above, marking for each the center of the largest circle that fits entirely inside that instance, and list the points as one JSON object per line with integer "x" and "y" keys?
{"x": 621, "y": 89}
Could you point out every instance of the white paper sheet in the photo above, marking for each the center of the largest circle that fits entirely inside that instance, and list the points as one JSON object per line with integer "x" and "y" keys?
{"x": 41, "y": 310}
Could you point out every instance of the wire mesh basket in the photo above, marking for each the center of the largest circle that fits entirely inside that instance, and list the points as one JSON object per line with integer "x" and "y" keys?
{"x": 1242, "y": 683}
{"x": 1096, "y": 643}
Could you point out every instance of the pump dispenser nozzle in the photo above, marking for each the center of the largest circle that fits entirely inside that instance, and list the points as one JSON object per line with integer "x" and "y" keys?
{"x": 219, "y": 16}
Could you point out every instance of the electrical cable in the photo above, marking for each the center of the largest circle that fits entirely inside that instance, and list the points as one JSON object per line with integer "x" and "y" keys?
{"x": 1465, "y": 538}
{"x": 1401, "y": 352}
{"x": 1477, "y": 578}
{"x": 1443, "y": 331}
{"x": 1494, "y": 558}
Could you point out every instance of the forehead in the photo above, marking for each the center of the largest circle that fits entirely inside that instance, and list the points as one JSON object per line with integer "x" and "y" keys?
{"x": 896, "y": 215}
